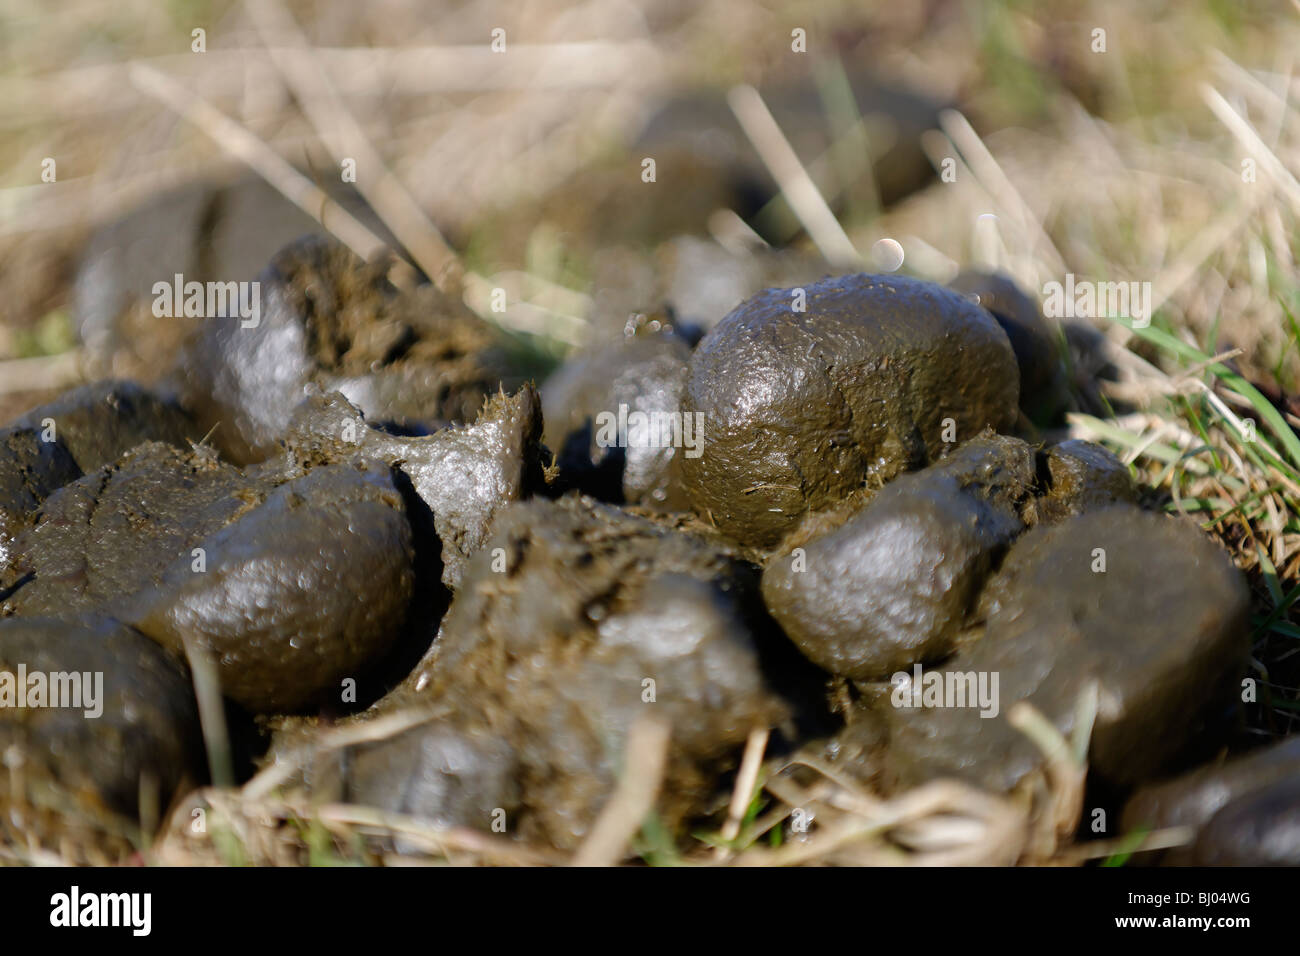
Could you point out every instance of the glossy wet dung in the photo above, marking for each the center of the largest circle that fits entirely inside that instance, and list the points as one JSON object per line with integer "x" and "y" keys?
{"x": 388, "y": 536}
{"x": 327, "y": 318}
{"x": 807, "y": 394}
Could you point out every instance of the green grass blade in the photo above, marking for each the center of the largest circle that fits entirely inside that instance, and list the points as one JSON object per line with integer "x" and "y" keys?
{"x": 1263, "y": 407}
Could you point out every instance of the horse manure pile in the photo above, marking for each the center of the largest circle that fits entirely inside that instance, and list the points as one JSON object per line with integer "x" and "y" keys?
{"x": 420, "y": 585}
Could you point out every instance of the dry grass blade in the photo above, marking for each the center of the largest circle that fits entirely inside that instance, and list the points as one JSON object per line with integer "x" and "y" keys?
{"x": 355, "y": 71}
{"x": 1155, "y": 840}
{"x": 796, "y": 185}
{"x": 45, "y": 371}
{"x": 438, "y": 838}
{"x": 212, "y": 713}
{"x": 743, "y": 793}
{"x": 1249, "y": 138}
{"x": 986, "y": 168}
{"x": 993, "y": 832}
{"x": 1067, "y": 768}
{"x": 522, "y": 315}
{"x": 634, "y": 797}
{"x": 260, "y": 836}
{"x": 244, "y": 146}
{"x": 286, "y": 765}
{"x": 344, "y": 137}
{"x": 1206, "y": 242}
